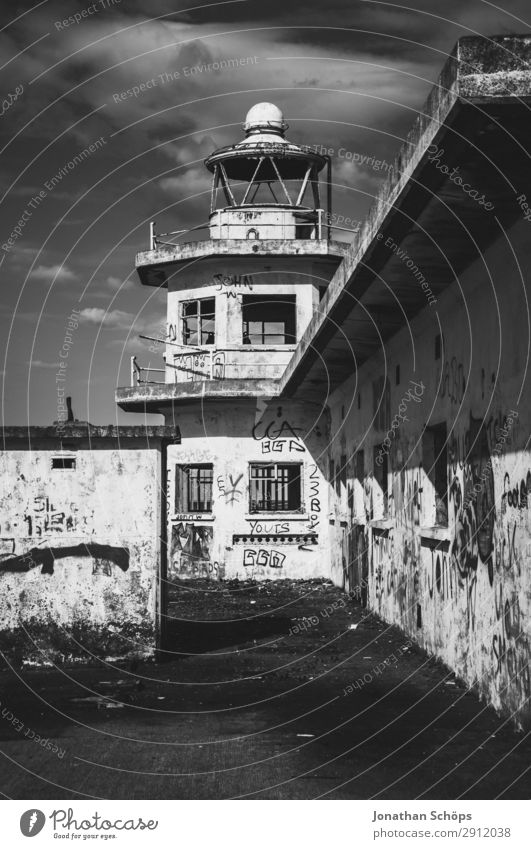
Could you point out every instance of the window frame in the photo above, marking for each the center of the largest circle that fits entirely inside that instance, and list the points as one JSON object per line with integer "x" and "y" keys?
{"x": 211, "y": 316}
{"x": 63, "y": 463}
{"x": 433, "y": 466}
{"x": 276, "y": 509}
{"x": 381, "y": 477}
{"x": 182, "y": 487}
{"x": 290, "y": 338}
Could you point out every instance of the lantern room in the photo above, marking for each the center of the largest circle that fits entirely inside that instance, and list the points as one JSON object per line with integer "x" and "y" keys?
{"x": 266, "y": 187}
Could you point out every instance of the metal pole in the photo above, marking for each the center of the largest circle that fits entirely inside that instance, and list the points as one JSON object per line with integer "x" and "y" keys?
{"x": 329, "y": 195}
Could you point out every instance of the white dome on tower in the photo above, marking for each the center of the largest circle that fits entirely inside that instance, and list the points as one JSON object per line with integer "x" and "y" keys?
{"x": 264, "y": 116}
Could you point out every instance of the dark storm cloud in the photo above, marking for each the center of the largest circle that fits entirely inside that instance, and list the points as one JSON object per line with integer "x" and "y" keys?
{"x": 350, "y": 75}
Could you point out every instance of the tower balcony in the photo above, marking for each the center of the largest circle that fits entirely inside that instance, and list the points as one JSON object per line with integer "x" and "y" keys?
{"x": 218, "y": 364}
{"x": 269, "y": 221}
{"x": 214, "y": 372}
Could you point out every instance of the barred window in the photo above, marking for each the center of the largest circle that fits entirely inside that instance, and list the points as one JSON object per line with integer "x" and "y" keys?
{"x": 199, "y": 322}
{"x": 193, "y": 488}
{"x": 275, "y": 487}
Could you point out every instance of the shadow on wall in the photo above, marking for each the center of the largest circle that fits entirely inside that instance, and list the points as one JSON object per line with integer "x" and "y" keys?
{"x": 46, "y": 557}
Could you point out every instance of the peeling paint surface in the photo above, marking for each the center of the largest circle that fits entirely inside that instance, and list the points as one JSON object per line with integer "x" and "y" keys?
{"x": 80, "y": 551}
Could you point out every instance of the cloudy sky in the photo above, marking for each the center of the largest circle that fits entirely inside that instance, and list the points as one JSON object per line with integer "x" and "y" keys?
{"x": 348, "y": 74}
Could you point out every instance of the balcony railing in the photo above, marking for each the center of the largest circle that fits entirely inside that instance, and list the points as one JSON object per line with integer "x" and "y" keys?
{"x": 322, "y": 228}
{"x": 215, "y": 364}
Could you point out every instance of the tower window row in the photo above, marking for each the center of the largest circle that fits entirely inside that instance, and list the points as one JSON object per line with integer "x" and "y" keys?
{"x": 265, "y": 320}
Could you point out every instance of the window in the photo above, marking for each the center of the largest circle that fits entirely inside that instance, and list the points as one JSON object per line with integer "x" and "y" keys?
{"x": 438, "y": 346}
{"x": 397, "y": 375}
{"x": 434, "y": 461}
{"x": 199, "y": 322}
{"x": 360, "y": 465}
{"x": 380, "y": 476}
{"x": 341, "y": 479}
{"x": 193, "y": 488}
{"x": 268, "y": 320}
{"x": 274, "y": 487}
{"x": 332, "y": 472}
{"x": 359, "y": 470}
{"x": 63, "y": 462}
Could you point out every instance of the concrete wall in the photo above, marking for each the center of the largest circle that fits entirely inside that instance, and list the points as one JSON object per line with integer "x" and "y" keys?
{"x": 228, "y": 280}
{"x": 262, "y": 223}
{"x": 464, "y": 592}
{"x": 232, "y": 542}
{"x": 80, "y": 550}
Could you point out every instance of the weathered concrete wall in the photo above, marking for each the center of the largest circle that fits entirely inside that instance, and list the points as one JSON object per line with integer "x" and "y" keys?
{"x": 80, "y": 550}
{"x": 227, "y": 281}
{"x": 232, "y": 542}
{"x": 262, "y": 223}
{"x": 464, "y": 592}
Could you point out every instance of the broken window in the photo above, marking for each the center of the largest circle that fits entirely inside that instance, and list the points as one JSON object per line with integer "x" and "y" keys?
{"x": 268, "y": 319}
{"x": 199, "y": 322}
{"x": 434, "y": 461}
{"x": 274, "y": 487}
{"x": 193, "y": 488}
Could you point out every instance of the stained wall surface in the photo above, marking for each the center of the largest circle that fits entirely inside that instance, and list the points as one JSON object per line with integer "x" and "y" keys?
{"x": 233, "y": 540}
{"x": 460, "y": 588}
{"x": 80, "y": 550}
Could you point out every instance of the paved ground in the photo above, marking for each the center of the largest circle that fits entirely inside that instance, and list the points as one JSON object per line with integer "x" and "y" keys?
{"x": 256, "y": 703}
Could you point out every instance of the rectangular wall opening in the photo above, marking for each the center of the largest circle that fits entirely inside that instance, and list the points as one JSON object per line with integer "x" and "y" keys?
{"x": 199, "y": 322}
{"x": 269, "y": 320}
{"x": 435, "y": 462}
{"x": 381, "y": 469}
{"x": 63, "y": 463}
{"x": 193, "y": 488}
{"x": 275, "y": 487}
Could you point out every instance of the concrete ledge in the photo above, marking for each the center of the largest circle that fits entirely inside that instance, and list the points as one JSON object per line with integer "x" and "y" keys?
{"x": 241, "y": 247}
{"x": 153, "y": 396}
{"x": 152, "y": 265}
{"x": 77, "y": 431}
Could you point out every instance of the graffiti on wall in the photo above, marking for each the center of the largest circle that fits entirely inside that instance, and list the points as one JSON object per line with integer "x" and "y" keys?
{"x": 265, "y": 557}
{"x": 231, "y": 284}
{"x": 510, "y": 647}
{"x": 263, "y": 528}
{"x": 190, "y": 552}
{"x": 473, "y": 506}
{"x": 406, "y": 495}
{"x": 42, "y": 517}
{"x": 102, "y": 555}
{"x": 277, "y": 435}
{"x": 315, "y": 500}
{"x": 230, "y": 490}
{"x": 453, "y": 383}
{"x": 196, "y": 365}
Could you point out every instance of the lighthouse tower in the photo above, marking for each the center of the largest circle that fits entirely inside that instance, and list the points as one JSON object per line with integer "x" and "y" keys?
{"x": 245, "y": 491}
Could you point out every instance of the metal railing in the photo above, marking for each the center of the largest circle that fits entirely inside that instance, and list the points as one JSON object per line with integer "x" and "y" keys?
{"x": 209, "y": 364}
{"x": 320, "y": 226}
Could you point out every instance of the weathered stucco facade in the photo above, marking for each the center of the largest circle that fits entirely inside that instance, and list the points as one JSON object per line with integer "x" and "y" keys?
{"x": 421, "y": 353}
{"x": 461, "y": 589}
{"x": 234, "y": 540}
{"x": 81, "y": 541}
